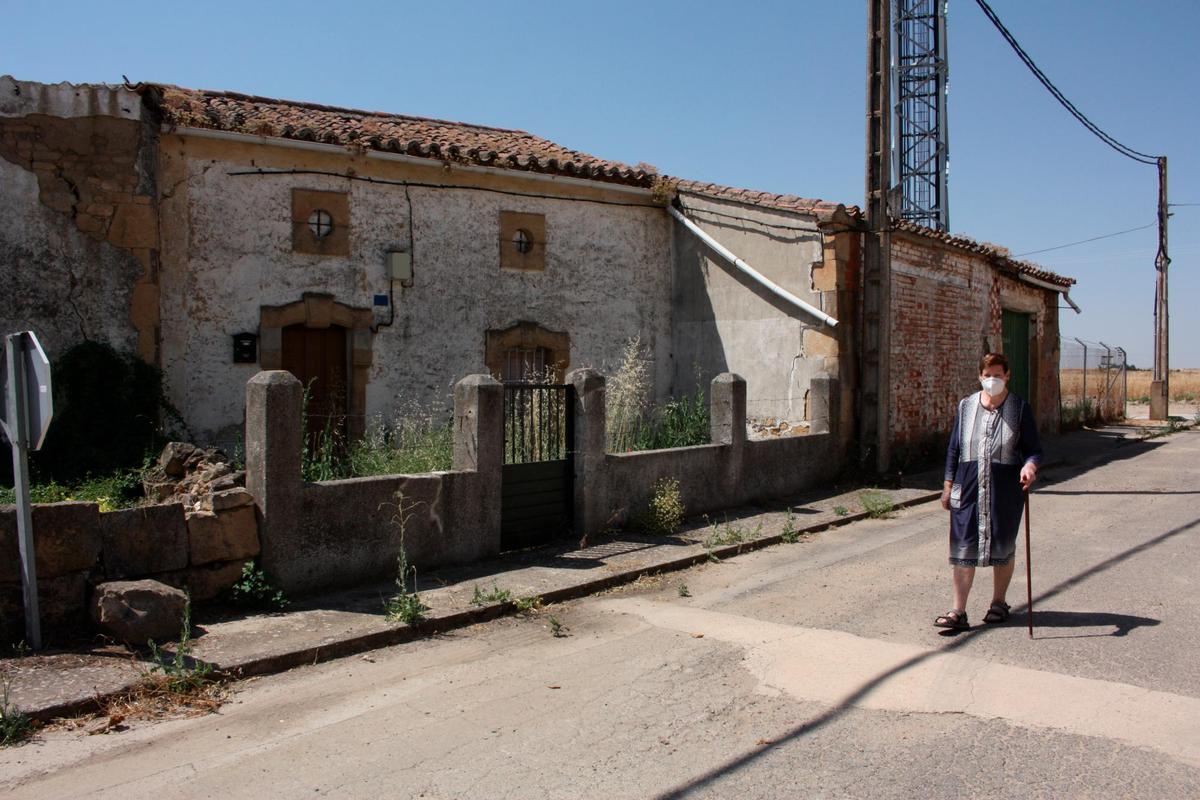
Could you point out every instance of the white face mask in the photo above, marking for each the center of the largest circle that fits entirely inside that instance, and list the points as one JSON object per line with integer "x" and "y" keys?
{"x": 993, "y": 386}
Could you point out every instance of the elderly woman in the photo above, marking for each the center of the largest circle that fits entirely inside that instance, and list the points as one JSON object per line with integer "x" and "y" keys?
{"x": 991, "y": 461}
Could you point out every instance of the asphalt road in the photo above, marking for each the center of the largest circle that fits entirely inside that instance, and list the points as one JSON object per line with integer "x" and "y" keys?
{"x": 804, "y": 670}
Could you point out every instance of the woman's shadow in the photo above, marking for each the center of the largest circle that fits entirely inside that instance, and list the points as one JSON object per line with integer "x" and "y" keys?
{"x": 1120, "y": 623}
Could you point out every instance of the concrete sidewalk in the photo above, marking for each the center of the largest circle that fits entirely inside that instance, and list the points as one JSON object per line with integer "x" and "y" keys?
{"x": 314, "y": 629}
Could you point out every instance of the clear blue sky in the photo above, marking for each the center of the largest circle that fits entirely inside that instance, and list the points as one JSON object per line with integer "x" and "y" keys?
{"x": 767, "y": 95}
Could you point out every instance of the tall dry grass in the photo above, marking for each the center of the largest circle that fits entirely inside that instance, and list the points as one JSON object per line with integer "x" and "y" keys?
{"x": 1184, "y": 384}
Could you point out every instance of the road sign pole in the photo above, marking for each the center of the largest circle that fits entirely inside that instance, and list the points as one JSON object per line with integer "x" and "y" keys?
{"x": 18, "y": 416}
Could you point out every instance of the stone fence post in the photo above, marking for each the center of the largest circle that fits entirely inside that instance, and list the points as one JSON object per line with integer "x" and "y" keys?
{"x": 727, "y": 422}
{"x": 479, "y": 447}
{"x": 824, "y": 406}
{"x": 727, "y": 410}
{"x": 591, "y": 491}
{"x": 274, "y": 447}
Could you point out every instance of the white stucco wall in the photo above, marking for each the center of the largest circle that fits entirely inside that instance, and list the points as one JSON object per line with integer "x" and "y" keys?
{"x": 724, "y": 322}
{"x": 227, "y": 251}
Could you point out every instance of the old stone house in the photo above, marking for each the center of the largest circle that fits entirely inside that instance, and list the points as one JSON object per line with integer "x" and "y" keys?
{"x": 381, "y": 257}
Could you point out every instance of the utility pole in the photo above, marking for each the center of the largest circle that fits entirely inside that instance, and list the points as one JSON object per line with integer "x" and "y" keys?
{"x": 874, "y": 416}
{"x": 1160, "y": 394}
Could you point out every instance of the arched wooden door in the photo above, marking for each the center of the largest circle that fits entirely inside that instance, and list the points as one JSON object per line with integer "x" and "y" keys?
{"x": 318, "y": 358}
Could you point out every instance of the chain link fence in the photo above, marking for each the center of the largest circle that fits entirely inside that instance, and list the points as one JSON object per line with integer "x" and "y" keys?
{"x": 1093, "y": 381}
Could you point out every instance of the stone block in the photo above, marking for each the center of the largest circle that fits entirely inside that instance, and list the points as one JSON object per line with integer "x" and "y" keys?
{"x": 207, "y": 582}
{"x": 66, "y": 538}
{"x": 62, "y": 600}
{"x": 174, "y": 458}
{"x": 134, "y": 226}
{"x": 225, "y": 536}
{"x": 62, "y": 604}
{"x": 230, "y": 499}
{"x": 234, "y": 480}
{"x": 136, "y": 611}
{"x": 12, "y": 613}
{"x": 142, "y": 541}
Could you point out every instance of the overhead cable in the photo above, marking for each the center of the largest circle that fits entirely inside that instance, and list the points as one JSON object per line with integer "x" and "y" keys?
{"x": 1128, "y": 152}
{"x": 1085, "y": 241}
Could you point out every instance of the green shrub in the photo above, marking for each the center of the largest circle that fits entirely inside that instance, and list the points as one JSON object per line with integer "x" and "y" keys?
{"x": 496, "y": 595}
{"x": 120, "y": 489}
{"x": 254, "y": 590}
{"x": 789, "y": 534}
{"x": 682, "y": 422}
{"x": 877, "y": 504}
{"x": 664, "y": 515}
{"x": 15, "y": 725}
{"x": 413, "y": 443}
{"x": 181, "y": 672}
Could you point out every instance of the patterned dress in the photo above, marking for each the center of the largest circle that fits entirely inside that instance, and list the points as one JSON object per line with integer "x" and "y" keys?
{"x": 987, "y": 449}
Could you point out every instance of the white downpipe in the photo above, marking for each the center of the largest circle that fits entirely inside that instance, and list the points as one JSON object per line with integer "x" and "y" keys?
{"x": 431, "y": 162}
{"x": 1052, "y": 287}
{"x": 751, "y": 272}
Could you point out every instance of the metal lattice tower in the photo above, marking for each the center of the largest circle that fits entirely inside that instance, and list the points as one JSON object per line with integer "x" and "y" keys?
{"x": 922, "y": 149}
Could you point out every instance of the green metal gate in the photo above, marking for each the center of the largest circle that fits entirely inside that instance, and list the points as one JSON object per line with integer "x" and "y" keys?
{"x": 1016, "y": 347}
{"x": 537, "y": 495}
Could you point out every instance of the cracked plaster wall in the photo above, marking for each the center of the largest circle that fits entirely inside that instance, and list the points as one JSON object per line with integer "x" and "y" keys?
{"x": 726, "y": 323}
{"x": 80, "y": 232}
{"x": 228, "y": 252}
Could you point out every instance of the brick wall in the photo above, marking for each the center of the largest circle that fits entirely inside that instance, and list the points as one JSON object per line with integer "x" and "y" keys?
{"x": 947, "y": 307}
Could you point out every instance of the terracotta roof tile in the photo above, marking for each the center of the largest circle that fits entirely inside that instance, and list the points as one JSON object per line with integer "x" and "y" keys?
{"x": 415, "y": 136}
{"x": 502, "y": 148}
{"x": 822, "y": 209}
{"x": 999, "y": 254}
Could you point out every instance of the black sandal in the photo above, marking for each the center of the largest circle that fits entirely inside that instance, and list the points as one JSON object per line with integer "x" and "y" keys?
{"x": 954, "y": 620}
{"x": 997, "y": 612}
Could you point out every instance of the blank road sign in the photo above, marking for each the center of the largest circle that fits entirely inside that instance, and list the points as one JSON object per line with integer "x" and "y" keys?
{"x": 30, "y": 359}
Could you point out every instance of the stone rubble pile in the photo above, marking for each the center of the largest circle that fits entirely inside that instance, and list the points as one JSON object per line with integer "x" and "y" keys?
{"x": 191, "y": 475}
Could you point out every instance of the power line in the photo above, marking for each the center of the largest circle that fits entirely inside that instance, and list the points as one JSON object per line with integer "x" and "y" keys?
{"x": 1128, "y": 152}
{"x": 1085, "y": 241}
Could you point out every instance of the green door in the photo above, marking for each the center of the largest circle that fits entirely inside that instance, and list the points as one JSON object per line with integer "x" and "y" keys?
{"x": 1016, "y": 347}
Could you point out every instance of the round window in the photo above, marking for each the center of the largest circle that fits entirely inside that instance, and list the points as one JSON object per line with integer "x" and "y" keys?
{"x": 522, "y": 241}
{"x": 320, "y": 222}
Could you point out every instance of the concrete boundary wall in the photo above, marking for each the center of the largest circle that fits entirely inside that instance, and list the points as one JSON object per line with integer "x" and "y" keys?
{"x": 613, "y": 488}
{"x": 348, "y": 532}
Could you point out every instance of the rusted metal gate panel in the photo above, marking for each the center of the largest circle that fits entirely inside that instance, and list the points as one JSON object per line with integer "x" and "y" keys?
{"x": 537, "y": 497}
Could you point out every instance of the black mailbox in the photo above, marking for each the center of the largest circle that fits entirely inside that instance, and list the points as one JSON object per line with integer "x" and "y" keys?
{"x": 245, "y": 348}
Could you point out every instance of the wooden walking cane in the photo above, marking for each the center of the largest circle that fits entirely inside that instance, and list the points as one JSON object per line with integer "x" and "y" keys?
{"x": 1028, "y": 566}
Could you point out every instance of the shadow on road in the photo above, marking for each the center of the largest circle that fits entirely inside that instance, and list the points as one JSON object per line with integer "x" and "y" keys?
{"x": 1123, "y": 623}
{"x": 1064, "y": 619}
{"x": 1115, "y": 491}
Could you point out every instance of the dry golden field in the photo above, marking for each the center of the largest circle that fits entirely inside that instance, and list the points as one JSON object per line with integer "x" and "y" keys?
{"x": 1184, "y": 383}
